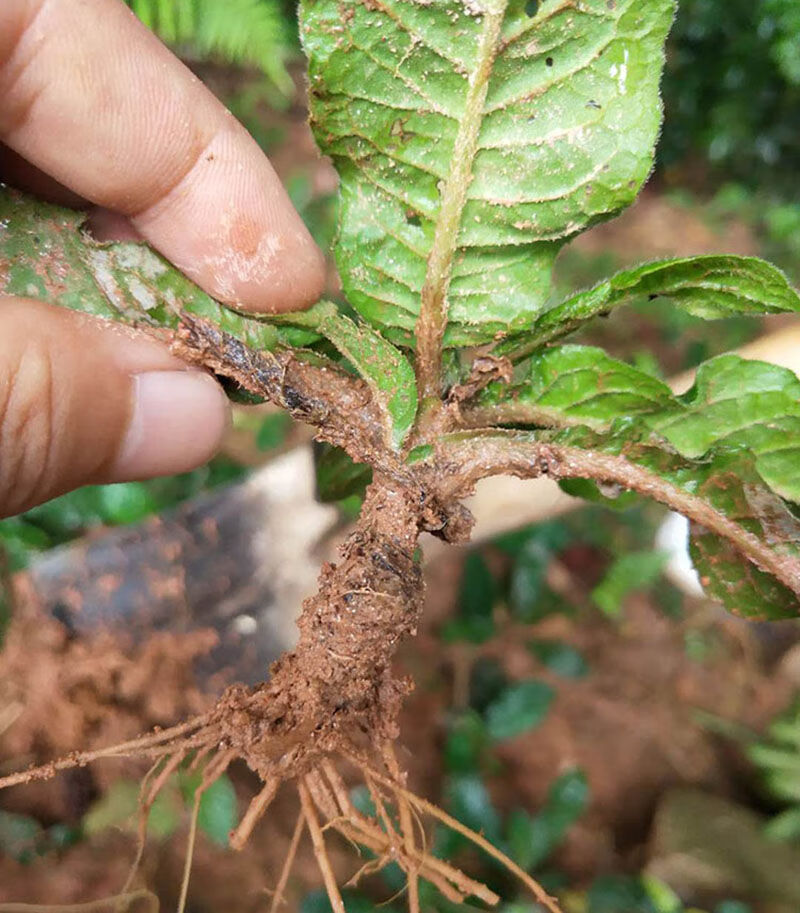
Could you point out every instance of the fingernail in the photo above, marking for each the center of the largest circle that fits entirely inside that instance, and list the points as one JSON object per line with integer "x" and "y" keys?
{"x": 177, "y": 423}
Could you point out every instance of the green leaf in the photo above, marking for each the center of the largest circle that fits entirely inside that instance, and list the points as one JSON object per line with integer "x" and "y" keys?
{"x": 784, "y": 827}
{"x": 709, "y": 286}
{"x": 247, "y": 32}
{"x": 532, "y": 839}
{"x": 472, "y": 139}
{"x": 119, "y": 807}
{"x": 559, "y": 657}
{"x": 272, "y": 431}
{"x": 527, "y": 583}
{"x": 21, "y": 837}
{"x": 519, "y": 708}
{"x": 740, "y": 403}
{"x": 477, "y": 593}
{"x": 469, "y": 801}
{"x": 631, "y": 571}
{"x": 385, "y": 369}
{"x": 576, "y": 385}
{"x": 734, "y": 402}
{"x": 732, "y": 443}
{"x": 338, "y": 477}
{"x": 465, "y": 743}
{"x": 45, "y": 254}
{"x": 744, "y": 538}
{"x": 727, "y": 484}
{"x": 217, "y": 814}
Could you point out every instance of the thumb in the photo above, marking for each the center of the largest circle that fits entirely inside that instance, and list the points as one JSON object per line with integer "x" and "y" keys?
{"x": 85, "y": 401}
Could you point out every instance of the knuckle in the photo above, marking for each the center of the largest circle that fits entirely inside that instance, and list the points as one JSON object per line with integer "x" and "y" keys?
{"x": 17, "y": 24}
{"x": 28, "y": 428}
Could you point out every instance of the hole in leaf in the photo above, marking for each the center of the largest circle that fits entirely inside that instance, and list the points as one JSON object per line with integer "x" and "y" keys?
{"x": 412, "y": 217}
{"x": 549, "y": 61}
{"x": 532, "y": 8}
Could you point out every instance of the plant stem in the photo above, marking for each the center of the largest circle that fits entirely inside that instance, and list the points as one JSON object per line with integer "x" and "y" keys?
{"x": 473, "y": 456}
{"x": 433, "y": 306}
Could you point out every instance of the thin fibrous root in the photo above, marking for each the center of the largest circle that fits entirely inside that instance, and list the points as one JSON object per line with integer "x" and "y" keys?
{"x": 147, "y": 796}
{"x": 164, "y": 742}
{"x": 319, "y": 849}
{"x": 406, "y": 828}
{"x": 434, "y": 811}
{"x": 258, "y": 806}
{"x": 280, "y": 888}
{"x": 213, "y": 771}
{"x": 118, "y": 903}
{"x": 451, "y": 882}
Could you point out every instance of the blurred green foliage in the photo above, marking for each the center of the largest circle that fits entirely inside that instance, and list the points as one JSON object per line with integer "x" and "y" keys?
{"x": 257, "y": 33}
{"x": 72, "y": 515}
{"x": 777, "y": 759}
{"x": 732, "y": 91}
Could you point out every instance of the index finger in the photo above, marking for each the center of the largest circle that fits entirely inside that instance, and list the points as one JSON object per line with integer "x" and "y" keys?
{"x": 91, "y": 97}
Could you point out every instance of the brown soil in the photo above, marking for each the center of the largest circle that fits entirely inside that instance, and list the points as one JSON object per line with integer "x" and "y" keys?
{"x": 629, "y": 725}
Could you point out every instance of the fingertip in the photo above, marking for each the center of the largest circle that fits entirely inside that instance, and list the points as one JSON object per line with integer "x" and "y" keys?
{"x": 178, "y": 421}
{"x": 231, "y": 227}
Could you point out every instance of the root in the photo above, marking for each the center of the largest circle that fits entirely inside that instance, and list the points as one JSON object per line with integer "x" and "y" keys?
{"x": 147, "y": 796}
{"x": 406, "y": 827}
{"x": 119, "y": 902}
{"x": 161, "y": 743}
{"x": 333, "y": 696}
{"x": 434, "y": 811}
{"x": 254, "y": 813}
{"x": 214, "y": 770}
{"x": 277, "y": 897}
{"x": 320, "y": 852}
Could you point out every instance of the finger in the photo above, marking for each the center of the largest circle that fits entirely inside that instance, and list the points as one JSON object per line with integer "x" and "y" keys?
{"x": 103, "y": 224}
{"x": 19, "y": 172}
{"x": 92, "y": 98}
{"x": 85, "y": 401}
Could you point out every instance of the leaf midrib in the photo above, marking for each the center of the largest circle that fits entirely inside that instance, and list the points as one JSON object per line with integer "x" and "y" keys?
{"x": 433, "y": 303}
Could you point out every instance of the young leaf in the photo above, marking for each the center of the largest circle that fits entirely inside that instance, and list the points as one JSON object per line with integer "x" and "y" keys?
{"x": 574, "y": 385}
{"x": 472, "y": 137}
{"x": 740, "y": 403}
{"x": 386, "y": 371}
{"x": 710, "y": 287}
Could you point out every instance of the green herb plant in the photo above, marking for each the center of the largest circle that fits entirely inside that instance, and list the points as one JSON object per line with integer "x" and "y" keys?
{"x": 473, "y": 139}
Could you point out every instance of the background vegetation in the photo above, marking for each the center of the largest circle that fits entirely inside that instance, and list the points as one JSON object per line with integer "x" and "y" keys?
{"x": 728, "y": 166}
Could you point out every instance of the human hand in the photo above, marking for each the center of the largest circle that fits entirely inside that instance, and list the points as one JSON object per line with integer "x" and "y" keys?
{"x": 95, "y": 110}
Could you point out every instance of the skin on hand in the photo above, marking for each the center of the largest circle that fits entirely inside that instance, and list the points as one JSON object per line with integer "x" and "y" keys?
{"x": 95, "y": 110}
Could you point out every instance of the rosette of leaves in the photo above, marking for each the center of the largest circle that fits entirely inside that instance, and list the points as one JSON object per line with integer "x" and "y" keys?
{"x": 473, "y": 139}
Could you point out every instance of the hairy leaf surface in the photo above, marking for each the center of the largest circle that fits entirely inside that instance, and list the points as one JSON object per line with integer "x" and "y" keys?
{"x": 472, "y": 137}
{"x": 45, "y": 254}
{"x": 734, "y": 402}
{"x": 709, "y": 286}
{"x": 731, "y": 443}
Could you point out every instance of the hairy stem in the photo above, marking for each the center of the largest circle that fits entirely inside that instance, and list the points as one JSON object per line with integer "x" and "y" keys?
{"x": 433, "y": 306}
{"x": 475, "y": 456}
